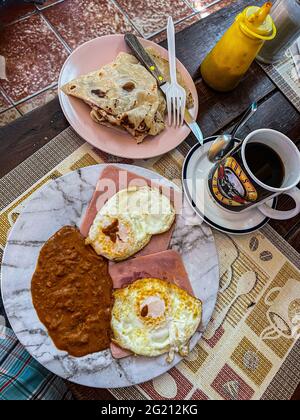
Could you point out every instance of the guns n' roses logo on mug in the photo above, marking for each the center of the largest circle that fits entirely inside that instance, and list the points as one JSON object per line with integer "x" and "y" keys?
{"x": 231, "y": 186}
{"x": 265, "y": 165}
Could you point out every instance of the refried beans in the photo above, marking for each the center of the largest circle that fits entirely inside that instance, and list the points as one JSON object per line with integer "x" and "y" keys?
{"x": 72, "y": 294}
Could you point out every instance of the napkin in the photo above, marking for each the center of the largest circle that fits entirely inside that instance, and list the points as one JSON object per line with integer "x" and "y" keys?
{"x": 295, "y": 51}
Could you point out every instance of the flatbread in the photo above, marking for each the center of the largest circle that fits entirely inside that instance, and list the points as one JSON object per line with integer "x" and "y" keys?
{"x": 122, "y": 94}
{"x": 164, "y": 68}
{"x": 125, "y": 96}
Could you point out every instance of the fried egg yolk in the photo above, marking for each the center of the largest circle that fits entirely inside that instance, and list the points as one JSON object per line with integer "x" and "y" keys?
{"x": 125, "y": 224}
{"x": 152, "y": 317}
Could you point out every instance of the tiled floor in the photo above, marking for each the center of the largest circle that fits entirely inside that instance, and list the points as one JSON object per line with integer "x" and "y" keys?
{"x": 36, "y": 40}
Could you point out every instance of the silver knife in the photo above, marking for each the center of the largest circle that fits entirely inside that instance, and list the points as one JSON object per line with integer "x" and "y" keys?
{"x": 142, "y": 55}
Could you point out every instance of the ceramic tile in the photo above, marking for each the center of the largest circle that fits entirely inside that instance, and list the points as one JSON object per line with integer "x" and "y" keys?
{"x": 150, "y": 16}
{"x": 202, "y": 4}
{"x": 37, "y": 101}
{"x": 47, "y": 4}
{"x": 4, "y": 103}
{"x": 34, "y": 57}
{"x": 11, "y": 13}
{"x": 9, "y": 116}
{"x": 178, "y": 27}
{"x": 210, "y": 6}
{"x": 93, "y": 19}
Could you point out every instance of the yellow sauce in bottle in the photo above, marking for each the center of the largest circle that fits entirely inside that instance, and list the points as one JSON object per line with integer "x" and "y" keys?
{"x": 227, "y": 63}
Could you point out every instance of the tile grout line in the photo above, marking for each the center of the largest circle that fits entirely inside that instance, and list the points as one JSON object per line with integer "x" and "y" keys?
{"x": 10, "y": 109}
{"x": 204, "y": 8}
{"x": 194, "y": 14}
{"x": 56, "y": 33}
{"x": 190, "y": 5}
{"x": 49, "y": 5}
{"x": 6, "y": 96}
{"x": 176, "y": 23}
{"x": 58, "y": 36}
{"x": 21, "y": 18}
{"x": 37, "y": 11}
{"x": 39, "y": 92}
{"x": 15, "y": 104}
{"x": 208, "y": 6}
{"x": 116, "y": 4}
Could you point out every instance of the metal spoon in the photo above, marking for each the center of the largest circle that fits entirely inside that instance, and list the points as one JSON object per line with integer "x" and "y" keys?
{"x": 225, "y": 142}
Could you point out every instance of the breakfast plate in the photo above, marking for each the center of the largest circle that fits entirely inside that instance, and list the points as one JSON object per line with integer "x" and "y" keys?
{"x": 63, "y": 202}
{"x": 92, "y": 56}
{"x": 194, "y": 179}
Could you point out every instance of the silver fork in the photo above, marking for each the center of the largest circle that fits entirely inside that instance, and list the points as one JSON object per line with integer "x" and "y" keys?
{"x": 176, "y": 95}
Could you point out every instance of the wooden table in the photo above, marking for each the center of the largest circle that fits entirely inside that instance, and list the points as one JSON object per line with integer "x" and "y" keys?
{"x": 218, "y": 112}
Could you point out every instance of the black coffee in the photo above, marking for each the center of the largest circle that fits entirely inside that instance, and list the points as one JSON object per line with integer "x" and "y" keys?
{"x": 265, "y": 164}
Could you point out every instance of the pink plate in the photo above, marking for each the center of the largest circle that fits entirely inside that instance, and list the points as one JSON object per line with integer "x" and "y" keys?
{"x": 91, "y": 56}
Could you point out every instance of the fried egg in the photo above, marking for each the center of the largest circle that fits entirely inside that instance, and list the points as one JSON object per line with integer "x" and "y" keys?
{"x": 149, "y": 205}
{"x": 139, "y": 212}
{"x": 117, "y": 237}
{"x": 151, "y": 317}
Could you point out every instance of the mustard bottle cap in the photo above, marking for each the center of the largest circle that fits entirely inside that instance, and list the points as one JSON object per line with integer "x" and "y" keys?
{"x": 257, "y": 22}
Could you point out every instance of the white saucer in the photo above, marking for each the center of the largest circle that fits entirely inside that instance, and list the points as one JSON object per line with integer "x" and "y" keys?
{"x": 194, "y": 179}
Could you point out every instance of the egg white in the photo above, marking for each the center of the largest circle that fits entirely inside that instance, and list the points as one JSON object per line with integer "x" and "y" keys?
{"x": 167, "y": 331}
{"x": 130, "y": 239}
{"x": 153, "y": 209}
{"x": 141, "y": 212}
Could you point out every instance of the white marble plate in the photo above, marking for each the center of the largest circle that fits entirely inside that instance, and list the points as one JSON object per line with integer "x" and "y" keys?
{"x": 63, "y": 202}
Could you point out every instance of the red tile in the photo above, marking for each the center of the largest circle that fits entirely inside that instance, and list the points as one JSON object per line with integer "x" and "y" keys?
{"x": 4, "y": 103}
{"x": 150, "y": 16}
{"x": 78, "y": 21}
{"x": 9, "y": 116}
{"x": 210, "y": 6}
{"x": 178, "y": 27}
{"x": 202, "y": 4}
{"x": 9, "y": 14}
{"x": 37, "y": 101}
{"x": 47, "y": 4}
{"x": 34, "y": 57}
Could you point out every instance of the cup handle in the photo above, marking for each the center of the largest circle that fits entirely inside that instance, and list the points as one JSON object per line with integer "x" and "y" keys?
{"x": 283, "y": 215}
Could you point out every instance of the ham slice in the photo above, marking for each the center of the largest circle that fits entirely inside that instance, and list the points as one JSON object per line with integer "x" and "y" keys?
{"x": 114, "y": 179}
{"x": 119, "y": 353}
{"x": 167, "y": 265}
{"x": 152, "y": 261}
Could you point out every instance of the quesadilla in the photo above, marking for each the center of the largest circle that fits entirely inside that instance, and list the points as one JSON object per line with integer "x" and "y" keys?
{"x": 124, "y": 95}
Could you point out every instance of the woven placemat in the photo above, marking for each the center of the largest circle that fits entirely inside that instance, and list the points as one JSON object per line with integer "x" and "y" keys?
{"x": 255, "y": 354}
{"x": 285, "y": 76}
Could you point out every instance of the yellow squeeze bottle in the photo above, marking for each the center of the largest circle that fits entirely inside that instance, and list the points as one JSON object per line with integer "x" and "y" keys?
{"x": 225, "y": 66}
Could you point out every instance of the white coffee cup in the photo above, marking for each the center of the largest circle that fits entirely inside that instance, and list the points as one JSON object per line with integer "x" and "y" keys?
{"x": 236, "y": 188}
{"x": 290, "y": 157}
